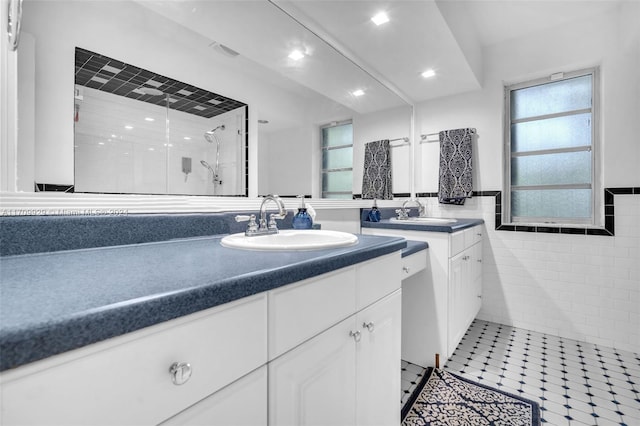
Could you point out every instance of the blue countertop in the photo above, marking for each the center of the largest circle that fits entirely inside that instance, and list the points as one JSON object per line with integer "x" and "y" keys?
{"x": 388, "y": 213}
{"x": 414, "y": 247}
{"x": 57, "y": 301}
{"x": 459, "y": 225}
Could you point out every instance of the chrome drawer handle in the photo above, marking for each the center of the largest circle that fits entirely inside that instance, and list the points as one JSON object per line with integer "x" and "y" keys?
{"x": 369, "y": 326}
{"x": 356, "y": 335}
{"x": 180, "y": 373}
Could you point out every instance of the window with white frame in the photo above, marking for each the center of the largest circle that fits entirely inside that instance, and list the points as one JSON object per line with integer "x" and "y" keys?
{"x": 550, "y": 141}
{"x": 337, "y": 160}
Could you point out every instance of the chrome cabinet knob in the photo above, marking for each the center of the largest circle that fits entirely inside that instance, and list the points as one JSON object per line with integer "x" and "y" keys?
{"x": 356, "y": 335}
{"x": 369, "y": 326}
{"x": 406, "y": 269}
{"x": 180, "y": 372}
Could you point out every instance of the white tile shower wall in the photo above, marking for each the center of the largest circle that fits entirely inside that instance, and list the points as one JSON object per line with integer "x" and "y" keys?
{"x": 576, "y": 286}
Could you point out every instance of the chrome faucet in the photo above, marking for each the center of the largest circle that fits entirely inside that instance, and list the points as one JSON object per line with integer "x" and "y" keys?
{"x": 403, "y": 213}
{"x": 264, "y": 228}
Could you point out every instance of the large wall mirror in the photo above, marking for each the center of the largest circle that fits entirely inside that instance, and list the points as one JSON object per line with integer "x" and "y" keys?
{"x": 267, "y": 140}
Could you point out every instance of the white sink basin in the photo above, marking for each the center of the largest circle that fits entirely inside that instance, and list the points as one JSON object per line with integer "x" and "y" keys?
{"x": 426, "y": 220}
{"x": 291, "y": 239}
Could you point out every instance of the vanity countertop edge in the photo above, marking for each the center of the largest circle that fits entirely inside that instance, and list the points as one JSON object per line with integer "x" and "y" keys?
{"x": 459, "y": 225}
{"x": 58, "y": 301}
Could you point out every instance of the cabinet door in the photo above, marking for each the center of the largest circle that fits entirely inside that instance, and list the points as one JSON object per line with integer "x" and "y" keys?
{"x": 242, "y": 403}
{"x": 378, "y": 362}
{"x": 457, "y": 288}
{"x": 315, "y": 383}
{"x": 476, "y": 279}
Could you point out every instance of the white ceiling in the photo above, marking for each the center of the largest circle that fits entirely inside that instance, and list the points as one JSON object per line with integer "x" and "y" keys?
{"x": 445, "y": 35}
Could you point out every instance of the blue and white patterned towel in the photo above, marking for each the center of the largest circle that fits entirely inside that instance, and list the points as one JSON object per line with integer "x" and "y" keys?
{"x": 376, "y": 179}
{"x": 455, "y": 182}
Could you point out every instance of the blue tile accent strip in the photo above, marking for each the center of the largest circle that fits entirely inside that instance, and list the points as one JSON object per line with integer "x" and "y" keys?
{"x": 55, "y": 302}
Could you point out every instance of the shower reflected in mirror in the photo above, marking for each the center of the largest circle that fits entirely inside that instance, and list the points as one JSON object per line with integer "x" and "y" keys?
{"x": 137, "y": 131}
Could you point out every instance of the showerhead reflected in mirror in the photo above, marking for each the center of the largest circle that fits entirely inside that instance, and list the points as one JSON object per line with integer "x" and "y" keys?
{"x": 134, "y": 127}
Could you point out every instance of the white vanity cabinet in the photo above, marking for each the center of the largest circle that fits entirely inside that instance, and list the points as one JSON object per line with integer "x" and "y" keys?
{"x": 465, "y": 284}
{"x": 440, "y": 302}
{"x": 325, "y": 350}
{"x": 348, "y": 373}
{"x": 126, "y": 380}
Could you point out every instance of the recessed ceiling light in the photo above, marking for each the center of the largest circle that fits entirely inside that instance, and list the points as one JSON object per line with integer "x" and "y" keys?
{"x": 296, "y": 55}
{"x": 149, "y": 119}
{"x": 99, "y": 79}
{"x": 358, "y": 92}
{"x": 100, "y": 143}
{"x": 428, "y": 73}
{"x": 187, "y": 138}
{"x": 128, "y": 127}
{"x": 380, "y": 18}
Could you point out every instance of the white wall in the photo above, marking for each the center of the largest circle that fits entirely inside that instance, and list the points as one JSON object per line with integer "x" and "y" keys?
{"x": 584, "y": 287}
{"x": 388, "y": 124}
{"x": 287, "y": 158}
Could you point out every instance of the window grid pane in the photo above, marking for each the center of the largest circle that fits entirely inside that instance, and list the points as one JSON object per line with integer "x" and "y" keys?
{"x": 553, "y": 203}
{"x": 553, "y": 133}
{"x": 550, "y": 98}
{"x": 339, "y": 158}
{"x": 337, "y": 135}
{"x": 551, "y": 169}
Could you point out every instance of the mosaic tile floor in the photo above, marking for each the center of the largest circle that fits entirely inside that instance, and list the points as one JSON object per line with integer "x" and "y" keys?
{"x": 575, "y": 383}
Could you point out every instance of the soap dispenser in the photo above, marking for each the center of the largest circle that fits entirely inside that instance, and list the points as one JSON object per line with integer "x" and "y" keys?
{"x": 374, "y": 213}
{"x": 302, "y": 219}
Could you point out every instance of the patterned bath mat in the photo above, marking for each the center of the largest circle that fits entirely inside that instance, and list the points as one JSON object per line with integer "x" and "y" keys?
{"x": 445, "y": 399}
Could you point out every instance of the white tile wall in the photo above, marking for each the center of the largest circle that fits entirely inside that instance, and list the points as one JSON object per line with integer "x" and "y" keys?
{"x": 580, "y": 287}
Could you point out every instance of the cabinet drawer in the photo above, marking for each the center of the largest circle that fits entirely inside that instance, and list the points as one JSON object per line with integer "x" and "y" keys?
{"x": 130, "y": 383}
{"x": 472, "y": 236}
{"x": 457, "y": 243}
{"x": 414, "y": 263}
{"x": 377, "y": 278}
{"x": 302, "y": 310}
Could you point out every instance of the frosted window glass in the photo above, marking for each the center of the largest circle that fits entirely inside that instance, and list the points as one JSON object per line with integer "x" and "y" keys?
{"x": 565, "y": 203}
{"x": 560, "y": 169}
{"x": 552, "y": 133}
{"x": 337, "y": 181}
{"x": 560, "y": 96}
{"x": 337, "y": 135}
{"x": 337, "y": 158}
